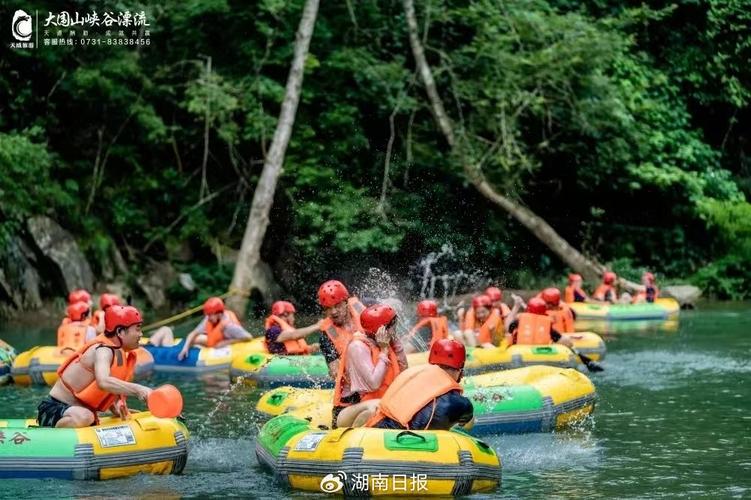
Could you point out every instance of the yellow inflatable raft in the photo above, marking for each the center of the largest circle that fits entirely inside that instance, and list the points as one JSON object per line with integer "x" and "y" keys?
{"x": 112, "y": 449}
{"x": 38, "y": 365}
{"x": 532, "y": 399}
{"x": 270, "y": 370}
{"x": 660, "y": 309}
{"x": 376, "y": 462}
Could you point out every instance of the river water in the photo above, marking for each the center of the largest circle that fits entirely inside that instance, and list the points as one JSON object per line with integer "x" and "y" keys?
{"x": 673, "y": 419}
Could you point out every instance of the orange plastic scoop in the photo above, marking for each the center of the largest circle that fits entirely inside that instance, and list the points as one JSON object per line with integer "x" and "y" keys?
{"x": 165, "y": 402}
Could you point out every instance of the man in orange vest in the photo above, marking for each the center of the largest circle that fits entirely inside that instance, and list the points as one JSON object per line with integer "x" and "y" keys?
{"x": 91, "y": 380}
{"x": 218, "y": 328}
{"x": 429, "y": 328}
{"x": 606, "y": 292}
{"x": 535, "y": 327}
{"x": 281, "y": 335}
{"x": 77, "y": 331}
{"x": 105, "y": 300}
{"x": 427, "y": 396}
{"x": 368, "y": 366}
{"x": 559, "y": 312}
{"x": 342, "y": 319}
{"x": 574, "y": 291}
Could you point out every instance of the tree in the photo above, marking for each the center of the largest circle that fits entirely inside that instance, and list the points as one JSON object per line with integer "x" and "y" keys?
{"x": 263, "y": 198}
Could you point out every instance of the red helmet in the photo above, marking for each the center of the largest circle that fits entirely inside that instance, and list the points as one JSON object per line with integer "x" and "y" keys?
{"x": 609, "y": 278}
{"x": 649, "y": 277}
{"x": 331, "y": 293}
{"x": 537, "y": 306}
{"x": 494, "y": 293}
{"x": 376, "y": 316}
{"x": 121, "y": 316}
{"x": 282, "y": 307}
{"x": 427, "y": 309}
{"x": 574, "y": 277}
{"x": 481, "y": 301}
{"x": 108, "y": 299}
{"x": 213, "y": 305}
{"x": 78, "y": 311}
{"x": 79, "y": 295}
{"x": 447, "y": 352}
{"x": 551, "y": 296}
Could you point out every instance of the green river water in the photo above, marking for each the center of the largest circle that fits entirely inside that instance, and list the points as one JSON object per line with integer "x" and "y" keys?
{"x": 673, "y": 419}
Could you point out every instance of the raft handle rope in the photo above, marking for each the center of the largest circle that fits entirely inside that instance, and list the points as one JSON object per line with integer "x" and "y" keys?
{"x": 193, "y": 310}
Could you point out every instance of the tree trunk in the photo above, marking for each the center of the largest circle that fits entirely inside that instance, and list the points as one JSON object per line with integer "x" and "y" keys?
{"x": 536, "y": 225}
{"x": 263, "y": 198}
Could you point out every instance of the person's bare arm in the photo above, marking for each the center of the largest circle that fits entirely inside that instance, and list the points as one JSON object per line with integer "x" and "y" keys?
{"x": 298, "y": 333}
{"x": 113, "y": 385}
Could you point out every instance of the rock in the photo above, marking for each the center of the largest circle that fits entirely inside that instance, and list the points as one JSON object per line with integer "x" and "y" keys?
{"x": 58, "y": 250}
{"x": 186, "y": 281}
{"x": 120, "y": 289}
{"x": 19, "y": 279}
{"x": 686, "y": 295}
{"x": 155, "y": 281}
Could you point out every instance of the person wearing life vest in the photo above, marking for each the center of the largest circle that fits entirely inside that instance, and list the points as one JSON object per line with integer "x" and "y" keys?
{"x": 105, "y": 300}
{"x": 649, "y": 292}
{"x": 430, "y": 327}
{"x": 606, "y": 292}
{"x": 218, "y": 328}
{"x": 535, "y": 327}
{"x": 72, "y": 335}
{"x": 574, "y": 291}
{"x": 427, "y": 396}
{"x": 485, "y": 326}
{"x": 342, "y": 319}
{"x": 559, "y": 312}
{"x": 367, "y": 367}
{"x": 98, "y": 376}
{"x": 281, "y": 335}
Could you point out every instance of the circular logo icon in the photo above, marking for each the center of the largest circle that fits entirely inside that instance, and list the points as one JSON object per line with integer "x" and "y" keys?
{"x": 21, "y": 26}
{"x": 331, "y": 483}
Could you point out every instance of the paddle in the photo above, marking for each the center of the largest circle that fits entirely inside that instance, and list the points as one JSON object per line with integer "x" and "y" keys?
{"x": 588, "y": 362}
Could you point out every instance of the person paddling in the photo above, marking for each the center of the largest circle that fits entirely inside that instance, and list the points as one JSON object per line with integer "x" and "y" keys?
{"x": 281, "y": 335}
{"x": 98, "y": 376}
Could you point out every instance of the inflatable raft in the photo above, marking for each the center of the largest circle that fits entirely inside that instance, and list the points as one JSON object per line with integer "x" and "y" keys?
{"x": 532, "y": 399}
{"x": 375, "y": 462}
{"x": 659, "y": 309}
{"x": 38, "y": 365}
{"x": 269, "y": 370}
{"x": 200, "y": 359}
{"x": 7, "y": 355}
{"x": 112, "y": 449}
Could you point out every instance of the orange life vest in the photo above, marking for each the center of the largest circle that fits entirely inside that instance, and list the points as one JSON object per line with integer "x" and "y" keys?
{"x": 533, "y": 329}
{"x": 339, "y": 335}
{"x": 470, "y": 322}
{"x": 298, "y": 346}
{"x": 375, "y": 352}
{"x": 215, "y": 332}
{"x": 122, "y": 367}
{"x": 563, "y": 319}
{"x": 71, "y": 335}
{"x": 602, "y": 292}
{"x": 411, "y": 391}
{"x": 439, "y": 328}
{"x": 491, "y": 328}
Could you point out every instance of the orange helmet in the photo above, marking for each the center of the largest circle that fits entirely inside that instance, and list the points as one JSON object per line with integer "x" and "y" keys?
{"x": 537, "y": 306}
{"x": 574, "y": 277}
{"x": 79, "y": 295}
{"x": 376, "y": 316}
{"x": 551, "y": 296}
{"x": 494, "y": 293}
{"x": 609, "y": 278}
{"x": 213, "y": 305}
{"x": 108, "y": 299}
{"x": 282, "y": 307}
{"x": 331, "y": 293}
{"x": 481, "y": 301}
{"x": 121, "y": 316}
{"x": 427, "y": 308}
{"x": 448, "y": 352}
{"x": 78, "y": 311}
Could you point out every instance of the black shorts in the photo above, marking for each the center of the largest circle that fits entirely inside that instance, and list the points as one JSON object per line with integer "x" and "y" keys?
{"x": 50, "y": 411}
{"x": 351, "y": 399}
